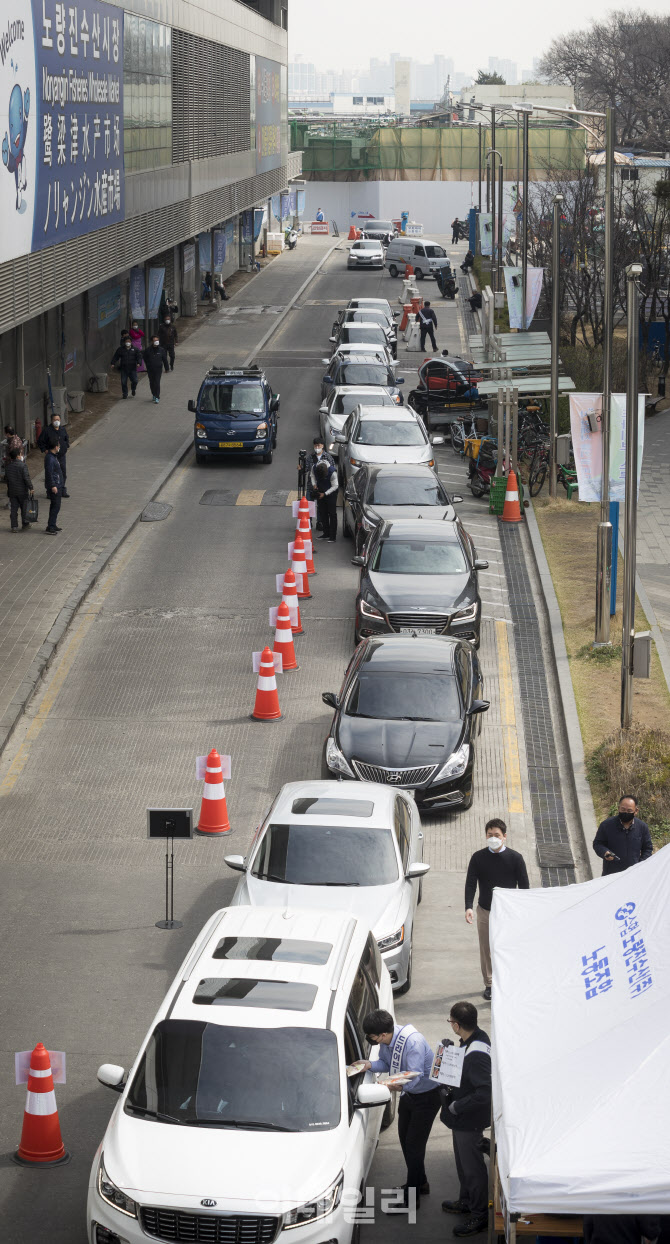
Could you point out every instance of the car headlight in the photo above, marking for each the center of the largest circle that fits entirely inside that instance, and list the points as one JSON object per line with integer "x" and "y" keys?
{"x": 320, "y": 1207}
{"x": 369, "y": 611}
{"x": 468, "y": 614}
{"x": 393, "y": 940}
{"x": 354, "y": 462}
{"x": 336, "y": 760}
{"x": 200, "y": 432}
{"x": 367, "y": 525}
{"x": 261, "y": 431}
{"x": 113, "y": 1195}
{"x": 200, "y": 429}
{"x": 432, "y": 462}
{"x": 456, "y": 764}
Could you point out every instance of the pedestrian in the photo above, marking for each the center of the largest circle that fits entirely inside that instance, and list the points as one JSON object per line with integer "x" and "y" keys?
{"x": 319, "y": 214}
{"x": 13, "y": 441}
{"x": 19, "y": 489}
{"x": 427, "y": 318}
{"x": 168, "y": 307}
{"x": 455, "y": 231}
{"x": 495, "y": 865}
{"x": 623, "y": 840}
{"x": 475, "y": 301}
{"x": 319, "y": 452}
{"x": 127, "y": 359}
{"x": 621, "y": 1229}
{"x": 53, "y": 479}
{"x": 57, "y": 434}
{"x": 402, "y": 1048}
{"x": 167, "y": 336}
{"x": 137, "y": 338}
{"x": 468, "y": 261}
{"x": 466, "y": 1111}
{"x": 155, "y": 360}
{"x": 325, "y": 484}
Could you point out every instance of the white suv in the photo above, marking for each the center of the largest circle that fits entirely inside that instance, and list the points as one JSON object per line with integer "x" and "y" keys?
{"x": 237, "y": 1121}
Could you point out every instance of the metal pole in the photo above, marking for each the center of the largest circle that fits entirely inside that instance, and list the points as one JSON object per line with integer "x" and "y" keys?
{"x": 524, "y": 229}
{"x": 488, "y": 186}
{"x": 514, "y": 409}
{"x": 633, "y": 274}
{"x": 479, "y": 152}
{"x": 604, "y": 544}
{"x": 501, "y": 190}
{"x": 492, "y": 1183}
{"x": 493, "y": 202}
{"x": 518, "y": 168}
{"x": 555, "y": 319}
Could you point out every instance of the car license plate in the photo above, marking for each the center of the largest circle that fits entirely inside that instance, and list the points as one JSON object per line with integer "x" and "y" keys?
{"x": 424, "y": 630}
{"x": 231, "y": 444}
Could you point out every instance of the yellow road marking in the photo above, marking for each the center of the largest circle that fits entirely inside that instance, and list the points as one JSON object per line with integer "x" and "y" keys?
{"x": 508, "y": 722}
{"x": 292, "y": 496}
{"x": 65, "y": 661}
{"x": 250, "y": 496}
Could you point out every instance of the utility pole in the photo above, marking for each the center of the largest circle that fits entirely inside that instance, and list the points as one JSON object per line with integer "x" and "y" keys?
{"x": 493, "y": 201}
{"x": 604, "y": 539}
{"x": 555, "y": 332}
{"x": 633, "y": 274}
{"x": 524, "y": 227}
{"x": 479, "y": 153}
{"x": 501, "y": 191}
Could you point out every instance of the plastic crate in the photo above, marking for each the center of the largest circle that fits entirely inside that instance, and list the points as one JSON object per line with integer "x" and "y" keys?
{"x": 497, "y": 495}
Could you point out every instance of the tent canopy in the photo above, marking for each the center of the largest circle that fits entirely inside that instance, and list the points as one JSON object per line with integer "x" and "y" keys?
{"x": 581, "y": 1043}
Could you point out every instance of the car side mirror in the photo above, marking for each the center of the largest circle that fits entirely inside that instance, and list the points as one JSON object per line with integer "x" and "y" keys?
{"x": 235, "y": 862}
{"x": 358, "y": 561}
{"x": 399, "y": 379}
{"x": 330, "y": 699}
{"x": 478, "y": 706}
{"x": 325, "y": 363}
{"x": 371, "y": 1095}
{"x": 339, "y": 438}
{"x": 456, "y": 499}
{"x": 274, "y": 404}
{"x": 112, "y": 1076}
{"x": 350, "y": 491}
{"x": 323, "y": 410}
{"x": 417, "y": 870}
{"x": 192, "y": 406}
{"x": 480, "y": 564}
{"x": 437, "y": 440}
{"x": 332, "y": 338}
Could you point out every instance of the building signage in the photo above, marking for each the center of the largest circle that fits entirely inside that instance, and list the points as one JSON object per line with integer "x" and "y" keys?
{"x": 219, "y": 249}
{"x": 268, "y": 114}
{"x": 61, "y": 121}
{"x": 109, "y": 305}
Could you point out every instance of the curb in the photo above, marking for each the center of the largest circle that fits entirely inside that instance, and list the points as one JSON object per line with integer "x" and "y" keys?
{"x": 650, "y": 614}
{"x": 45, "y": 655}
{"x": 580, "y": 784}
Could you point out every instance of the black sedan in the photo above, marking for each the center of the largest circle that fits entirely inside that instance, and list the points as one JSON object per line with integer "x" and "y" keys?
{"x": 419, "y": 576}
{"x": 408, "y": 713}
{"x": 395, "y": 491}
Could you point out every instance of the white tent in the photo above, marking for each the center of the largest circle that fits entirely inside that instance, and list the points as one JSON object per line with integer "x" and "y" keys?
{"x": 581, "y": 1044}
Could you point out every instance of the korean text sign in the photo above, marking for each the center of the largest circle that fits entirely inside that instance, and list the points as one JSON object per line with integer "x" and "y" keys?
{"x": 61, "y": 122}
{"x": 268, "y": 114}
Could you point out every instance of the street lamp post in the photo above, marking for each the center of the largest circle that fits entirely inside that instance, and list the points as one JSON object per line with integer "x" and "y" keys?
{"x": 501, "y": 193}
{"x": 633, "y": 274}
{"x": 524, "y": 227}
{"x": 479, "y": 153}
{"x": 555, "y": 332}
{"x": 604, "y": 545}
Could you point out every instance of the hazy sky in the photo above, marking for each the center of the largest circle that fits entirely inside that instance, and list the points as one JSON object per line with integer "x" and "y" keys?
{"x": 344, "y": 34}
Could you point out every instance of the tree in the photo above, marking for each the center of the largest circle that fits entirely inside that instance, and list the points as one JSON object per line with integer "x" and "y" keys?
{"x": 622, "y": 60}
{"x": 486, "y": 78}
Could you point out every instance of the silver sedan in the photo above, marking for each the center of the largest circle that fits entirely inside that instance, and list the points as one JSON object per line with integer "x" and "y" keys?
{"x": 341, "y": 402}
{"x": 379, "y": 436}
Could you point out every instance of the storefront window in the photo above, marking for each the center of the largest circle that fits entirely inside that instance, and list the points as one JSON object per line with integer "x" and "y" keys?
{"x": 147, "y": 88}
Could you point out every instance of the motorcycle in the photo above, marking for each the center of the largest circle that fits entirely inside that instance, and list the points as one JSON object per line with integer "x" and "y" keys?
{"x": 446, "y": 283}
{"x": 482, "y": 468}
{"x": 291, "y": 239}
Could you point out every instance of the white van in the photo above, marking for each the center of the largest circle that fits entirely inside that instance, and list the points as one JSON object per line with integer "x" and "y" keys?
{"x": 237, "y": 1120}
{"x": 425, "y": 256}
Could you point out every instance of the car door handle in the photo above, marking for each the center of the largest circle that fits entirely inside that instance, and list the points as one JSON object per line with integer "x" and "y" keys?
{"x": 420, "y": 837}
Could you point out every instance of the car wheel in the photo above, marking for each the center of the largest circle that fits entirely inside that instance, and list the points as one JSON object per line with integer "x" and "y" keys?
{"x": 418, "y": 274}
{"x": 477, "y": 486}
{"x": 408, "y": 983}
{"x": 469, "y": 801}
{"x": 267, "y": 458}
{"x": 393, "y": 271}
{"x": 389, "y": 1113}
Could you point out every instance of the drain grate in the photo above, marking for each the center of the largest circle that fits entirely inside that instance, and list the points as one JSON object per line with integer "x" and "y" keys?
{"x": 551, "y": 831}
{"x": 155, "y": 511}
{"x": 226, "y": 496}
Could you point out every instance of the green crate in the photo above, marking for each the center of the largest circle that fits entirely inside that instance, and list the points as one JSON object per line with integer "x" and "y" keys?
{"x": 497, "y": 495}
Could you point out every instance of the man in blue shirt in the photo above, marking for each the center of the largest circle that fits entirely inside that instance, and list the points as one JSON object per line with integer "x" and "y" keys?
{"x": 402, "y": 1048}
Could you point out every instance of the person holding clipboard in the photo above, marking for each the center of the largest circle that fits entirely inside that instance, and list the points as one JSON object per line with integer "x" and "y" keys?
{"x": 404, "y": 1050}
{"x": 466, "y": 1111}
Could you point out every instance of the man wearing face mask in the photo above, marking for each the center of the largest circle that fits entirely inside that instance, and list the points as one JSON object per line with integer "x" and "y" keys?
{"x": 495, "y": 865}
{"x": 155, "y": 360}
{"x": 623, "y": 840}
{"x": 127, "y": 359}
{"x": 168, "y": 339}
{"x": 56, "y": 435}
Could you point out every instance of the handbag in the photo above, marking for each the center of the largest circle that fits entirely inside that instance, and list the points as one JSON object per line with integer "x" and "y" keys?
{"x": 32, "y": 510}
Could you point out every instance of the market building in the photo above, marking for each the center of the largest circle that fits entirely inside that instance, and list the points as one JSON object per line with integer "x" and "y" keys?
{"x": 136, "y": 155}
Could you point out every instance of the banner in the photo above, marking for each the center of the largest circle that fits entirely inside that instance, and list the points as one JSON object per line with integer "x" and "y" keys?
{"x": 61, "y": 122}
{"x": 259, "y": 216}
{"x": 109, "y": 307}
{"x": 587, "y": 445}
{"x": 268, "y": 115}
{"x": 137, "y": 293}
{"x": 276, "y": 206}
{"x": 514, "y": 287}
{"x": 156, "y": 279}
{"x": 205, "y": 251}
{"x": 230, "y": 234}
{"x": 247, "y": 226}
{"x": 485, "y": 233}
{"x": 300, "y": 203}
{"x": 219, "y": 249}
{"x": 189, "y": 257}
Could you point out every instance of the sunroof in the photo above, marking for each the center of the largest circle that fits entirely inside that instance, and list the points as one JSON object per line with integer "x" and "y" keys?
{"x": 270, "y": 995}
{"x": 325, "y": 806}
{"x": 273, "y": 950}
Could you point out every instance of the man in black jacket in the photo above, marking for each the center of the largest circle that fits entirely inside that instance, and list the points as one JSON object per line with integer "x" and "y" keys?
{"x": 53, "y": 479}
{"x": 427, "y": 321}
{"x": 127, "y": 359}
{"x": 19, "y": 488}
{"x": 466, "y": 1112}
{"x": 624, "y": 839}
{"x": 57, "y": 434}
{"x": 155, "y": 360}
{"x": 167, "y": 337}
{"x": 496, "y": 865}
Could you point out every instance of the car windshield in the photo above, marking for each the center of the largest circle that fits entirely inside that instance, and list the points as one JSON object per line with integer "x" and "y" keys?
{"x": 354, "y": 334}
{"x": 419, "y": 557}
{"x": 348, "y": 855}
{"x": 372, "y": 317}
{"x": 379, "y": 226}
{"x": 405, "y": 696}
{"x": 390, "y": 490}
{"x": 389, "y": 432}
{"x": 435, "y": 252}
{"x": 344, "y": 403}
{"x": 365, "y": 245}
{"x": 232, "y": 399}
{"x": 283, "y": 1079}
{"x": 366, "y": 373}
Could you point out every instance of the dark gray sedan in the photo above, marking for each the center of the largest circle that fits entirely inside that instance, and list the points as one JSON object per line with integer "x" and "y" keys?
{"x": 378, "y": 494}
{"x": 419, "y": 577}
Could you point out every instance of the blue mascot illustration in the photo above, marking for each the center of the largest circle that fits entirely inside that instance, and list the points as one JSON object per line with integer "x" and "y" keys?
{"x": 14, "y": 147}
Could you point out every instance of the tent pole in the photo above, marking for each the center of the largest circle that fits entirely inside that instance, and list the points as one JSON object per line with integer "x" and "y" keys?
{"x": 493, "y": 1165}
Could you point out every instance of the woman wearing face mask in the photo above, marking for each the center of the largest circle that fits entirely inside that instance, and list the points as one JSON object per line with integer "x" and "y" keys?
{"x": 56, "y": 435}
{"x": 624, "y": 839}
{"x": 495, "y": 865}
{"x": 137, "y": 337}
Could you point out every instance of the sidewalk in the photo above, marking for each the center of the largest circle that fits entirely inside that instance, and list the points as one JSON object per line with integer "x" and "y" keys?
{"x": 114, "y": 469}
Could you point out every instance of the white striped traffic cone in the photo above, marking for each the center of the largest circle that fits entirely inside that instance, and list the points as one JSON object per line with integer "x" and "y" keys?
{"x": 213, "y": 811}
{"x": 266, "y": 707}
{"x": 299, "y": 567}
{"x": 304, "y": 530}
{"x": 290, "y": 598}
{"x": 41, "y": 1141}
{"x": 283, "y": 644}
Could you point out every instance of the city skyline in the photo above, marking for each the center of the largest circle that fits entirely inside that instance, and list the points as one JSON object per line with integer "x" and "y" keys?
{"x": 308, "y": 80}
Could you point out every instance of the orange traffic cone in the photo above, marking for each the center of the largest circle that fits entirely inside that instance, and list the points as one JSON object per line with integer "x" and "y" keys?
{"x": 304, "y": 530}
{"x": 353, "y": 233}
{"x": 41, "y": 1141}
{"x": 213, "y": 810}
{"x": 283, "y": 643}
{"x": 511, "y": 509}
{"x": 406, "y": 312}
{"x": 266, "y": 707}
{"x": 299, "y": 567}
{"x": 417, "y": 304}
{"x": 409, "y": 269}
{"x": 290, "y": 598}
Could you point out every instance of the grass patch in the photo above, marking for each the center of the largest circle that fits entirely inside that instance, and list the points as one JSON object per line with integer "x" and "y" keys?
{"x": 568, "y": 531}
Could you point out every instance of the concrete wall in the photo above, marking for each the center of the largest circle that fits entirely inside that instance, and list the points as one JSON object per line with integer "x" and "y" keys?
{"x": 432, "y": 203}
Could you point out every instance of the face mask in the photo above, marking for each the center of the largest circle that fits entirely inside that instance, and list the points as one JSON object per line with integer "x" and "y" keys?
{"x": 156, "y": 342}
{"x": 167, "y": 321}
{"x": 56, "y": 425}
{"x": 627, "y": 817}
{"x": 128, "y": 345}
{"x": 495, "y": 844}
